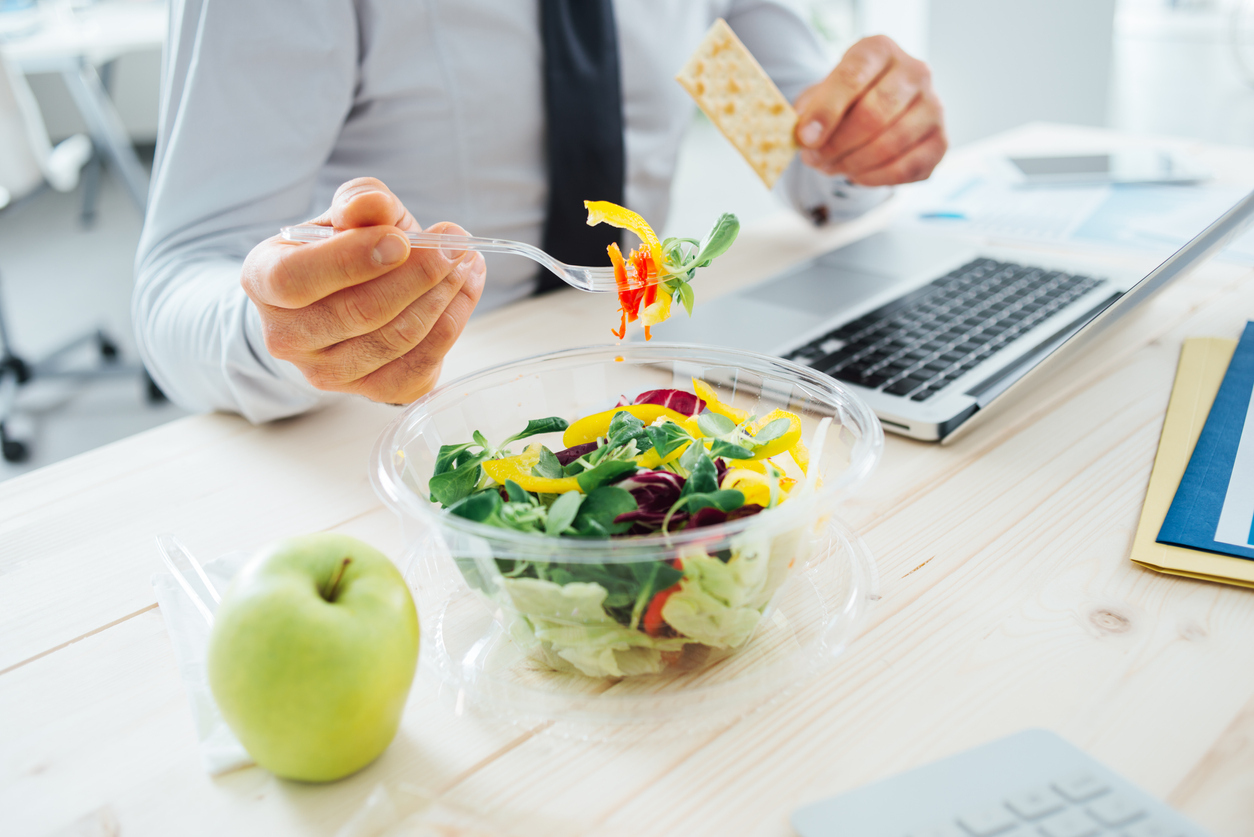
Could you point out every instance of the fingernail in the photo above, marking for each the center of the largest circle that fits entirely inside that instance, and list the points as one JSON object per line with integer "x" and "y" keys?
{"x": 390, "y": 249}
{"x": 452, "y": 253}
{"x": 811, "y": 132}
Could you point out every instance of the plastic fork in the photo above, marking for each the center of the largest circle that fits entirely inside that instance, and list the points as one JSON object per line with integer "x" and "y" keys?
{"x": 597, "y": 280}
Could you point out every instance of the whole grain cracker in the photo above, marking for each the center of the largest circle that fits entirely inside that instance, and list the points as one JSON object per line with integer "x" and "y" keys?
{"x": 742, "y": 101}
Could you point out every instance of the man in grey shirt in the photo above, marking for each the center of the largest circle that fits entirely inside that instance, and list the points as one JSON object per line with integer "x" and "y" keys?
{"x": 387, "y": 116}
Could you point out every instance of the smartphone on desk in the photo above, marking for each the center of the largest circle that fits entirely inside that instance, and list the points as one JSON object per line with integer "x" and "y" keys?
{"x": 1136, "y": 165}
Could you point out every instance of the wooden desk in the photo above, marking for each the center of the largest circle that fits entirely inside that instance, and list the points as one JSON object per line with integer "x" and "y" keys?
{"x": 1008, "y": 602}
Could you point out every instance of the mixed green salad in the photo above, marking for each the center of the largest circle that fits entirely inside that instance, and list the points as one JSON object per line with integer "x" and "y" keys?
{"x": 668, "y": 461}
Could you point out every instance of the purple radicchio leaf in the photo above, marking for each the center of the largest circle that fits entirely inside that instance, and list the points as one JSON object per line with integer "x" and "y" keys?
{"x": 675, "y": 399}
{"x": 709, "y": 516}
{"x": 565, "y": 457}
{"x": 655, "y": 492}
{"x": 747, "y": 510}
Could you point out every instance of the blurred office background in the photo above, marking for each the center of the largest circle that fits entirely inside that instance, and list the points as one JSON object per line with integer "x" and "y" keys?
{"x": 1182, "y": 68}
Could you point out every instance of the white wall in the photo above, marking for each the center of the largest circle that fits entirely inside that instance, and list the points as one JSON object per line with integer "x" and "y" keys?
{"x": 1001, "y": 63}
{"x": 1177, "y": 72}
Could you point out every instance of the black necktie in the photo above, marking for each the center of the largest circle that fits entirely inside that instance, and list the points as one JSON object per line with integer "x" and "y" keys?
{"x": 584, "y": 105}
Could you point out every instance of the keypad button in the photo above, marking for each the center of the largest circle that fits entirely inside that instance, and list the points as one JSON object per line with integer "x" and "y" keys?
{"x": 1152, "y": 828}
{"x": 1113, "y": 809}
{"x": 874, "y": 380}
{"x": 1080, "y": 787}
{"x": 831, "y": 345}
{"x": 987, "y": 821}
{"x": 1071, "y": 823}
{"x": 1035, "y": 803}
{"x": 903, "y": 387}
{"x": 946, "y": 829}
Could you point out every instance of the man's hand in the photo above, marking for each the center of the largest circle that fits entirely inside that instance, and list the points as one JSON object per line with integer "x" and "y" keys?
{"x": 359, "y": 312}
{"x": 874, "y": 119}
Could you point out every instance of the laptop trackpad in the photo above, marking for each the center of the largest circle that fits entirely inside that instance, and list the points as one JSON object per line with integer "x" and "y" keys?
{"x": 819, "y": 290}
{"x": 767, "y": 316}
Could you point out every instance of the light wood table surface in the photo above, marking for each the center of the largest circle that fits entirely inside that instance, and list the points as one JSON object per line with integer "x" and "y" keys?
{"x": 1008, "y": 602}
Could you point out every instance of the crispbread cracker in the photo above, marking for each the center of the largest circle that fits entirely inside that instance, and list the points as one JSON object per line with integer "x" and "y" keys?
{"x": 742, "y": 101}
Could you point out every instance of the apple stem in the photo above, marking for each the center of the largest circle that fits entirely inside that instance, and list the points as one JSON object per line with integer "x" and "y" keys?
{"x": 333, "y": 586}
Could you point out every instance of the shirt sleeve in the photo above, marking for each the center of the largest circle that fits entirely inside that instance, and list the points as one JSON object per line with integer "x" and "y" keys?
{"x": 253, "y": 97}
{"x": 786, "y": 47}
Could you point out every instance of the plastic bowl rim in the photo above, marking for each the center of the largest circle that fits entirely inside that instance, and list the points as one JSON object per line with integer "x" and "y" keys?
{"x": 390, "y": 488}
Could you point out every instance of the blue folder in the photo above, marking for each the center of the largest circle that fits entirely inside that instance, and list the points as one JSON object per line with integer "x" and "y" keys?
{"x": 1194, "y": 514}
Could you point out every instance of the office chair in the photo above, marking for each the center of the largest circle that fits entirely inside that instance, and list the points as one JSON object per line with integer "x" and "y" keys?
{"x": 28, "y": 163}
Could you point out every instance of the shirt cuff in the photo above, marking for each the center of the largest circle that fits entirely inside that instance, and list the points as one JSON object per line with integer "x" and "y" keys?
{"x": 825, "y": 198}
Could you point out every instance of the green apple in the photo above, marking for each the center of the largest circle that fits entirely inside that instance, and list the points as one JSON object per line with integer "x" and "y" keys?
{"x": 312, "y": 654}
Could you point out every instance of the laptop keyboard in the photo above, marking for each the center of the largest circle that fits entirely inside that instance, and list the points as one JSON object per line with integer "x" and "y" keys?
{"x": 918, "y": 344}
{"x": 1030, "y": 784}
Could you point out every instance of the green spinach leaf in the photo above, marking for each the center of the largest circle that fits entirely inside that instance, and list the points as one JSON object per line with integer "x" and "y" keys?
{"x": 600, "y": 508}
{"x": 606, "y": 472}
{"x": 667, "y": 436}
{"x": 712, "y": 424}
{"x": 478, "y": 507}
{"x": 773, "y": 430}
{"x": 624, "y": 428}
{"x": 548, "y": 466}
{"x": 726, "y": 228}
{"x": 729, "y": 450}
{"x": 516, "y": 492}
{"x": 562, "y": 513}
{"x": 452, "y": 486}
{"x": 535, "y": 427}
{"x": 702, "y": 478}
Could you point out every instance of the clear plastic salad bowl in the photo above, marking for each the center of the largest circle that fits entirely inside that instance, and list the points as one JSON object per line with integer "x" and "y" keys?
{"x": 546, "y": 648}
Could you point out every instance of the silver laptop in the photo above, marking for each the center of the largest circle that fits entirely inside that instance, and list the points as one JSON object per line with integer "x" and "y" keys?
{"x": 933, "y": 331}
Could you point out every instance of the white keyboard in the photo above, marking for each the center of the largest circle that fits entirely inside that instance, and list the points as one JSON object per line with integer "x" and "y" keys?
{"x": 1031, "y": 784}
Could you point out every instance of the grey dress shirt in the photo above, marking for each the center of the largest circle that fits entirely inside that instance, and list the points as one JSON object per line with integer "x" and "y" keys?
{"x": 267, "y": 106}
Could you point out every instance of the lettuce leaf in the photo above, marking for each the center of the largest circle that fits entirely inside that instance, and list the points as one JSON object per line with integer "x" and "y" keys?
{"x": 575, "y": 633}
{"x": 720, "y": 604}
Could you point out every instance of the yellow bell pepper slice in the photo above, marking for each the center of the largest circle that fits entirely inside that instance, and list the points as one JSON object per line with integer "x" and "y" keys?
{"x": 755, "y": 486}
{"x": 781, "y": 443}
{"x": 658, "y": 312}
{"x": 801, "y": 455}
{"x": 650, "y": 461}
{"x": 712, "y": 403}
{"x": 590, "y": 428}
{"x": 604, "y": 212}
{"x": 518, "y": 468}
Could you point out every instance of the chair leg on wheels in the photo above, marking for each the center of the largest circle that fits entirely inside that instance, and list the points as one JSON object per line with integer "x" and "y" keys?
{"x": 109, "y": 351}
{"x": 13, "y": 450}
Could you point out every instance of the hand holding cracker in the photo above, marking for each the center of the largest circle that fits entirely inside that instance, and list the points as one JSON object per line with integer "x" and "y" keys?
{"x": 874, "y": 119}
{"x": 742, "y": 101}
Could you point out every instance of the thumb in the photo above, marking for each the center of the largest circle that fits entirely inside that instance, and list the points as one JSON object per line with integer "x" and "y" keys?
{"x": 366, "y": 202}
{"x": 821, "y": 107}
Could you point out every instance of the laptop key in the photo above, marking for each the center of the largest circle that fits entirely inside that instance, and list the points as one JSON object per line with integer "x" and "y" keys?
{"x": 1113, "y": 810}
{"x": 1035, "y": 803}
{"x": 987, "y": 821}
{"x": 875, "y": 380}
{"x": 1071, "y": 823}
{"x": 903, "y": 387}
{"x": 1153, "y": 828}
{"x": 1080, "y": 787}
